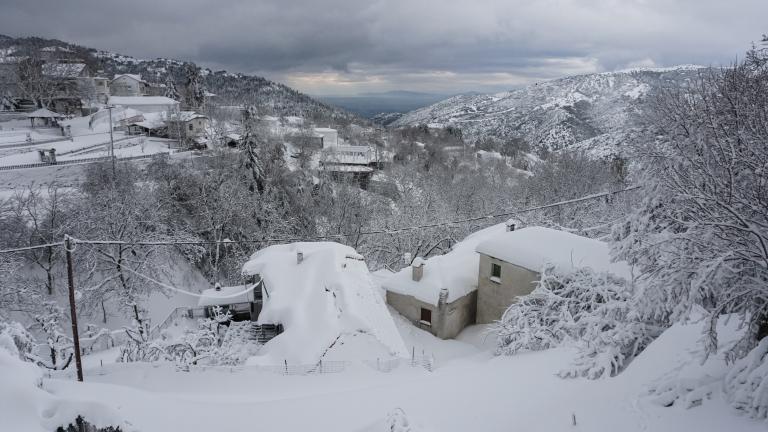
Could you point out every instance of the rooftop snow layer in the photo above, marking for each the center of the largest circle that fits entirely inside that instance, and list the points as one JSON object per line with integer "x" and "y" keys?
{"x": 329, "y": 294}
{"x": 42, "y": 112}
{"x": 534, "y": 247}
{"x": 226, "y": 295}
{"x": 141, "y": 100}
{"x": 455, "y": 270}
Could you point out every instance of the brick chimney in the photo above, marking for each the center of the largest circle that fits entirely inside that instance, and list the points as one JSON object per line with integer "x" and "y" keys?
{"x": 511, "y": 224}
{"x": 299, "y": 257}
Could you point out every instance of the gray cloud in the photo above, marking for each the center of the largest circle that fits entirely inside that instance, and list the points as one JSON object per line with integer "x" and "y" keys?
{"x": 346, "y": 46}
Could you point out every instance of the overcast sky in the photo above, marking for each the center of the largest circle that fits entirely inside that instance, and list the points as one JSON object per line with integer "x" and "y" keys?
{"x": 345, "y": 47}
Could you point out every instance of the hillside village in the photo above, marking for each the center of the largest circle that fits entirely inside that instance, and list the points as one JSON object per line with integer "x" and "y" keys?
{"x": 183, "y": 249}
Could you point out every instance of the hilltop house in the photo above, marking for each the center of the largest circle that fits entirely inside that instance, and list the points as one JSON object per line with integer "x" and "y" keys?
{"x": 481, "y": 276}
{"x": 187, "y": 125}
{"x": 128, "y": 85}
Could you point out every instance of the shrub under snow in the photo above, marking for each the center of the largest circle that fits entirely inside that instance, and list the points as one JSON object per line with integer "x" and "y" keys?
{"x": 746, "y": 385}
{"x": 593, "y": 311}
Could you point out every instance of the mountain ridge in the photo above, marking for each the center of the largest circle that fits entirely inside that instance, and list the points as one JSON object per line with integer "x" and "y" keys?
{"x": 555, "y": 114}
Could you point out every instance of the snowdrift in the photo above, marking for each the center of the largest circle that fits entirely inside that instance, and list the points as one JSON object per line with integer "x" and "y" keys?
{"x": 24, "y": 406}
{"x": 328, "y": 294}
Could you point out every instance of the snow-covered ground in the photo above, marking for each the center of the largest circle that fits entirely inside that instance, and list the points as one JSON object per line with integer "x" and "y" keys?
{"x": 86, "y": 143}
{"x": 469, "y": 390}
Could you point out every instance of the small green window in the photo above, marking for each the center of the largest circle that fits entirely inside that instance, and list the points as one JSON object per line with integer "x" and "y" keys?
{"x": 495, "y": 271}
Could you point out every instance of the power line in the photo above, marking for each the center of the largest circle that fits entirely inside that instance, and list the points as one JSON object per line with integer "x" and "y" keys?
{"x": 28, "y": 248}
{"x": 183, "y": 291}
{"x": 334, "y": 236}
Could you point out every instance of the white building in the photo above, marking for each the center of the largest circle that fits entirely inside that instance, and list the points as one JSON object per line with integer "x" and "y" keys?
{"x": 146, "y": 104}
{"x": 328, "y": 136}
{"x": 128, "y": 85}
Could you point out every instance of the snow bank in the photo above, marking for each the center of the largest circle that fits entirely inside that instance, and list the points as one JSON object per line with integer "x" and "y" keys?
{"x": 26, "y": 407}
{"x": 328, "y": 294}
{"x": 535, "y": 247}
{"x": 455, "y": 271}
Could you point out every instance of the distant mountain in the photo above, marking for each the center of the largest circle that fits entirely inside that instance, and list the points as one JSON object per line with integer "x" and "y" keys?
{"x": 371, "y": 104}
{"x": 594, "y": 111}
{"x": 231, "y": 88}
{"x": 386, "y": 118}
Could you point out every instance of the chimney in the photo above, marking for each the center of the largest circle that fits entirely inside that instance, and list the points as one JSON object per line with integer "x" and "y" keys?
{"x": 417, "y": 269}
{"x": 299, "y": 257}
{"x": 510, "y": 225}
{"x": 217, "y": 287}
{"x": 442, "y": 299}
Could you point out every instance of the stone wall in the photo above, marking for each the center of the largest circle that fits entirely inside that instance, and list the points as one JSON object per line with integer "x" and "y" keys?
{"x": 447, "y": 321}
{"x": 494, "y": 297}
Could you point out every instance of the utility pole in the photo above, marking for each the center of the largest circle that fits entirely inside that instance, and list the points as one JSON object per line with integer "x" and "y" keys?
{"x": 68, "y": 247}
{"x": 111, "y": 141}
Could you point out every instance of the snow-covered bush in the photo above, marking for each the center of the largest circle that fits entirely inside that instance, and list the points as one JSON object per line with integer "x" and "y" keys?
{"x": 746, "y": 385}
{"x": 593, "y": 311}
{"x": 15, "y": 339}
{"x": 60, "y": 347}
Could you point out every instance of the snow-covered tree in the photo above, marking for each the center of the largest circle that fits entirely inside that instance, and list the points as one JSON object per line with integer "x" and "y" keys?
{"x": 59, "y": 344}
{"x": 170, "y": 88}
{"x": 595, "y": 312}
{"x": 700, "y": 238}
{"x": 194, "y": 93}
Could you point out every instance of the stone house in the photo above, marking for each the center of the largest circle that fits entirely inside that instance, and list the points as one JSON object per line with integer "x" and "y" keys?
{"x": 511, "y": 263}
{"x": 483, "y": 275}
{"x": 439, "y": 294}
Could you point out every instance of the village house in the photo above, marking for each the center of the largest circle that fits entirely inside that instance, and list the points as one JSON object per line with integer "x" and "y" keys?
{"x": 128, "y": 85}
{"x": 328, "y": 137}
{"x": 187, "y": 126}
{"x": 483, "y": 275}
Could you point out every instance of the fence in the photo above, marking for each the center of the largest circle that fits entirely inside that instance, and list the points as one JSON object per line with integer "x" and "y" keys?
{"x": 76, "y": 161}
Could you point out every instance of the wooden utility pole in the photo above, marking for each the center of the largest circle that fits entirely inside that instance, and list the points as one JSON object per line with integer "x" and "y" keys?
{"x": 68, "y": 247}
{"x": 111, "y": 141}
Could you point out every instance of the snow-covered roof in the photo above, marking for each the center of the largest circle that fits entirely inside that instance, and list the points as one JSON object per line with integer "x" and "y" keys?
{"x": 141, "y": 100}
{"x": 455, "y": 271}
{"x": 63, "y": 70}
{"x": 187, "y": 116}
{"x": 336, "y": 167}
{"x": 45, "y": 113}
{"x": 226, "y": 295}
{"x": 328, "y": 294}
{"x": 150, "y": 120}
{"x": 535, "y": 247}
{"x": 325, "y": 130}
{"x": 131, "y": 76}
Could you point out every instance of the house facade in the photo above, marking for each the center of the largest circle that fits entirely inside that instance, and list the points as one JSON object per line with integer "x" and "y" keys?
{"x": 128, "y": 85}
{"x": 443, "y": 319}
{"x": 499, "y": 283}
{"x": 187, "y": 125}
{"x": 436, "y": 295}
{"x": 477, "y": 281}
